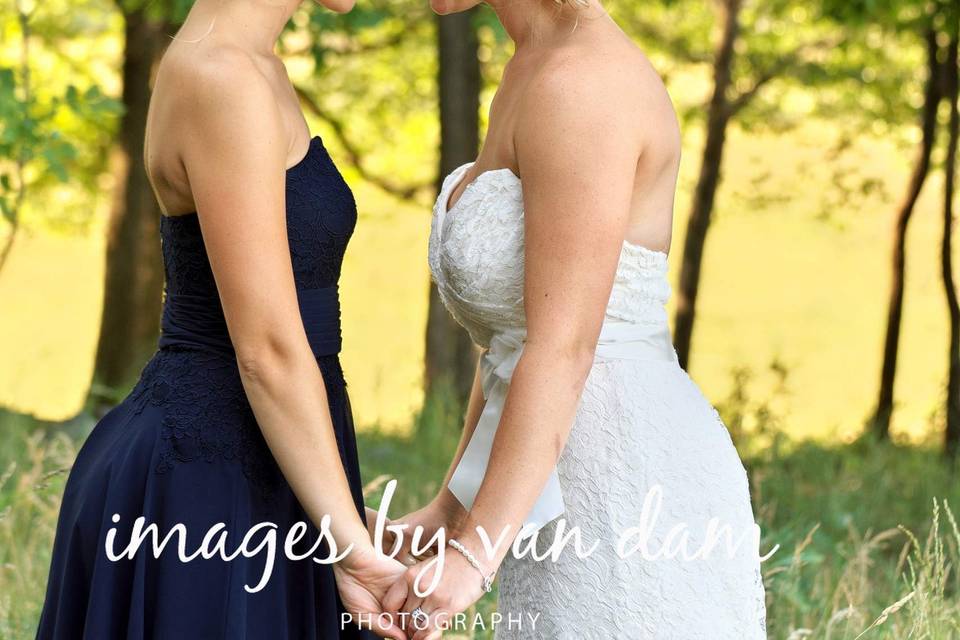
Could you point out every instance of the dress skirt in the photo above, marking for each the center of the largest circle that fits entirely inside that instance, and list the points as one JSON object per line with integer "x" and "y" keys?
{"x": 184, "y": 448}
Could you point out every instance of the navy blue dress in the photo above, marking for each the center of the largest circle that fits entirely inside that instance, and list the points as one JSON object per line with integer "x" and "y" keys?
{"x": 184, "y": 447}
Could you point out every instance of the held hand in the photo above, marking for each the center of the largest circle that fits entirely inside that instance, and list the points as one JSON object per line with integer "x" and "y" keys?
{"x": 460, "y": 586}
{"x": 443, "y": 511}
{"x": 363, "y": 578}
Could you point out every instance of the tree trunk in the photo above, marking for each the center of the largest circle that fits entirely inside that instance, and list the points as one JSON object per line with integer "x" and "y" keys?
{"x": 450, "y": 354}
{"x": 932, "y": 97}
{"x": 134, "y": 270}
{"x": 718, "y": 117}
{"x": 951, "y": 90}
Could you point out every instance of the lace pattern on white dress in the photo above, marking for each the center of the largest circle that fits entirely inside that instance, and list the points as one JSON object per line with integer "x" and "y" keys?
{"x": 639, "y": 425}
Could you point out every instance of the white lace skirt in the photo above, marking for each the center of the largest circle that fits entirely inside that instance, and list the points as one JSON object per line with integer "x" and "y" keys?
{"x": 644, "y": 428}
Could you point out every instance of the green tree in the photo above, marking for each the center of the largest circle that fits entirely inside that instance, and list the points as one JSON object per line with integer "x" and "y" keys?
{"x": 921, "y": 21}
{"x": 755, "y": 52}
{"x": 354, "y": 86}
{"x": 44, "y": 123}
{"x": 134, "y": 270}
{"x": 951, "y": 90}
{"x": 450, "y": 355}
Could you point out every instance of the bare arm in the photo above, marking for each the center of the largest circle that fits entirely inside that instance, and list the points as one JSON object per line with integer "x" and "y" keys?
{"x": 444, "y": 510}
{"x": 446, "y": 503}
{"x": 579, "y": 159}
{"x": 236, "y": 161}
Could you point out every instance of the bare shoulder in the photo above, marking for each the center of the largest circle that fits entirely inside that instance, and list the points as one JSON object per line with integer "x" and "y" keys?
{"x": 223, "y": 89}
{"x": 611, "y": 89}
{"x": 573, "y": 84}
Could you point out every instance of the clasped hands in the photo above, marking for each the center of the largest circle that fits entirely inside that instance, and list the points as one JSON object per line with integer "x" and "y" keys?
{"x": 380, "y": 593}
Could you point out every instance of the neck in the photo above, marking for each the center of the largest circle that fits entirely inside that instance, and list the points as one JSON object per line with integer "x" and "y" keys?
{"x": 542, "y": 22}
{"x": 253, "y": 25}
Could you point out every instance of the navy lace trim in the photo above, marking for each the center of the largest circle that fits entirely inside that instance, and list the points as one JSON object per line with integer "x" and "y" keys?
{"x": 206, "y": 415}
{"x": 321, "y": 217}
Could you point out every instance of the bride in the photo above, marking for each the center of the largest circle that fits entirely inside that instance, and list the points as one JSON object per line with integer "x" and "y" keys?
{"x": 551, "y": 249}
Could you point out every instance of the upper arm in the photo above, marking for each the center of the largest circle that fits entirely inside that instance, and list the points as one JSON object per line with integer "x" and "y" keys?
{"x": 578, "y": 162}
{"x": 236, "y": 164}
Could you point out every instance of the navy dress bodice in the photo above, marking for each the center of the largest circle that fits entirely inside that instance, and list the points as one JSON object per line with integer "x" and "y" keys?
{"x": 321, "y": 215}
{"x": 185, "y": 448}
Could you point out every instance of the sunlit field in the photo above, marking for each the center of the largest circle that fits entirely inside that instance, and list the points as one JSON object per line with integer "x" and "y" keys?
{"x": 790, "y": 277}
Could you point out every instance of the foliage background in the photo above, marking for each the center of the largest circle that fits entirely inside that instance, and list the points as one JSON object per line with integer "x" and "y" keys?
{"x": 790, "y": 317}
{"x": 794, "y": 272}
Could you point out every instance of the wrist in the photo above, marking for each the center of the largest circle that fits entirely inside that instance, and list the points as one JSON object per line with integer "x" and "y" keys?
{"x": 361, "y": 554}
{"x": 467, "y": 536}
{"x": 451, "y": 511}
{"x": 472, "y": 562}
{"x": 356, "y": 536}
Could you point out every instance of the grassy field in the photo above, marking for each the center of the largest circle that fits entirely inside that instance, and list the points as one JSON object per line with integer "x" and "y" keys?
{"x": 869, "y": 547}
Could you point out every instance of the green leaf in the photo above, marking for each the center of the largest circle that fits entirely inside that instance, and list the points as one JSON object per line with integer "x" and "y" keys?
{"x": 73, "y": 98}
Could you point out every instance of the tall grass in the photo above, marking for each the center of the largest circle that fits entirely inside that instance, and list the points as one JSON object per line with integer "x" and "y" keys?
{"x": 34, "y": 462}
{"x": 870, "y": 547}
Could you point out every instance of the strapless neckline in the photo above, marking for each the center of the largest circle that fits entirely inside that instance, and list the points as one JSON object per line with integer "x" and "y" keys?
{"x": 455, "y": 179}
{"x": 476, "y": 257}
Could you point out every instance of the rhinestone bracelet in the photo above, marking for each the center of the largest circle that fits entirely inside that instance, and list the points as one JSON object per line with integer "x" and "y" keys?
{"x": 472, "y": 559}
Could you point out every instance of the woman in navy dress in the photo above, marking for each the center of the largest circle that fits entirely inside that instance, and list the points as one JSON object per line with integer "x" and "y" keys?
{"x": 242, "y": 416}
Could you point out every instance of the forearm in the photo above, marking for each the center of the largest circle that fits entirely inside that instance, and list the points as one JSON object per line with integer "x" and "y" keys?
{"x": 288, "y": 397}
{"x": 536, "y": 422}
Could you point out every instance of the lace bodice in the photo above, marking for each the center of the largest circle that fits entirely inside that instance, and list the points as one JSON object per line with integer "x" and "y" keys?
{"x": 477, "y": 255}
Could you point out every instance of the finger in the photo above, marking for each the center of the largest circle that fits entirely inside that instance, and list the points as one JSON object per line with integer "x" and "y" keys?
{"x": 396, "y": 595}
{"x": 412, "y": 602}
{"x": 412, "y": 599}
{"x": 387, "y": 542}
{"x": 393, "y": 543}
{"x": 434, "y": 629}
{"x": 386, "y": 629}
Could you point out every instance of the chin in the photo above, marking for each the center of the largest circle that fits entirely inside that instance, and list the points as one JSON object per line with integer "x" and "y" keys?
{"x": 444, "y": 7}
{"x": 339, "y": 6}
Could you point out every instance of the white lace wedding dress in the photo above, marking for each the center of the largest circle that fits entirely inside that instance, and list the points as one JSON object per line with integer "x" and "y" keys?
{"x": 641, "y": 422}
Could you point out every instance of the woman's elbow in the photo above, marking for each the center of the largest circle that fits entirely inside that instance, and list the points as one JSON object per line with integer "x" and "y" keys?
{"x": 574, "y": 354}
{"x": 266, "y": 358}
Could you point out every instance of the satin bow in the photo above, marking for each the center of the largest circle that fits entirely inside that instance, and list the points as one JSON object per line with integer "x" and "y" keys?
{"x": 618, "y": 341}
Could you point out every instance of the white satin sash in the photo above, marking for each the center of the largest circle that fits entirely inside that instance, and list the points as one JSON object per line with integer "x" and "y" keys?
{"x": 619, "y": 340}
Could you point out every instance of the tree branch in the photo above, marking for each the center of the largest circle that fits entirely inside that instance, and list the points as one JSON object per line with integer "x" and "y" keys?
{"x": 792, "y": 59}
{"x": 354, "y": 156}
{"x": 352, "y": 47}
{"x": 676, "y": 47}
{"x": 21, "y": 192}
